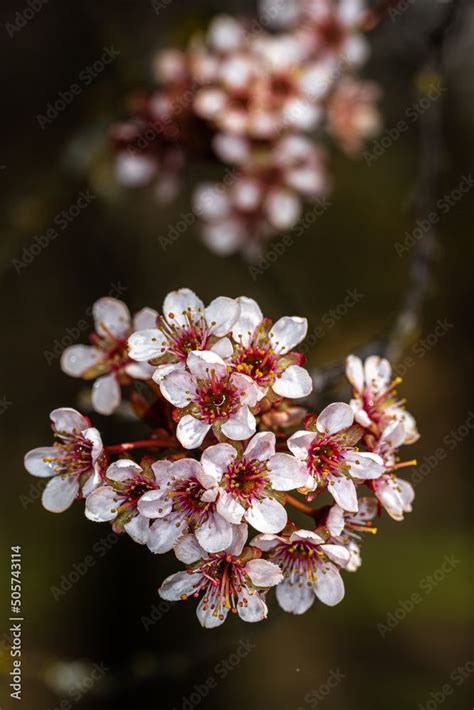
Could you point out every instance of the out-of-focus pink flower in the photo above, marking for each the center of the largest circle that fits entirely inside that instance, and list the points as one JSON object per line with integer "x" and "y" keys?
{"x": 107, "y": 360}
{"x": 234, "y": 580}
{"x": 331, "y": 457}
{"x": 186, "y": 325}
{"x": 310, "y": 568}
{"x": 352, "y": 115}
{"x": 73, "y": 464}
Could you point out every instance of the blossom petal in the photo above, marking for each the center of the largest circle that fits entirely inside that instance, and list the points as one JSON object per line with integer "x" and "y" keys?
{"x": 264, "y": 573}
{"x": 229, "y": 508}
{"x": 102, "y": 504}
{"x": 123, "y": 470}
{"x": 300, "y": 442}
{"x": 179, "y": 388}
{"x": 286, "y": 472}
{"x": 177, "y": 585}
{"x": 203, "y": 363}
{"x": 154, "y": 504}
{"x": 78, "y": 358}
{"x": 146, "y": 344}
{"x": 60, "y": 493}
{"x": 239, "y": 538}
{"x": 111, "y": 317}
{"x": 68, "y": 420}
{"x": 163, "y": 535}
{"x": 145, "y": 319}
{"x": 138, "y": 529}
{"x": 355, "y": 372}
{"x": 248, "y": 391}
{"x": 188, "y": 550}
{"x": 191, "y": 431}
{"x": 223, "y": 348}
{"x": 215, "y": 534}
{"x": 287, "y": 332}
{"x": 240, "y": 426}
{"x": 106, "y": 394}
{"x": 344, "y": 493}
{"x": 329, "y": 587}
{"x": 295, "y": 598}
{"x": 261, "y": 446}
{"x": 254, "y": 610}
{"x": 267, "y": 515}
{"x": 216, "y": 459}
{"x": 250, "y": 317}
{"x": 37, "y": 466}
{"x": 294, "y": 382}
{"x": 180, "y": 304}
{"x": 334, "y": 418}
{"x": 209, "y": 617}
{"x": 377, "y": 372}
{"x": 337, "y": 553}
{"x": 364, "y": 465}
{"x": 221, "y": 314}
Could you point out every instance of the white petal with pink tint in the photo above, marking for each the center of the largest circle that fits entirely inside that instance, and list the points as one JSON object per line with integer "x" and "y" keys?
{"x": 344, "y": 493}
{"x": 264, "y": 573}
{"x": 191, "y": 431}
{"x": 221, "y": 314}
{"x": 283, "y": 208}
{"x": 267, "y": 515}
{"x": 239, "y": 538}
{"x": 102, "y": 504}
{"x": 68, "y": 420}
{"x": 145, "y": 319}
{"x": 377, "y": 372}
{"x": 223, "y": 348}
{"x": 134, "y": 170}
{"x": 188, "y": 550}
{"x": 139, "y": 370}
{"x": 153, "y": 504}
{"x": 179, "y": 388}
{"x": 216, "y": 459}
{"x": 248, "y": 390}
{"x": 231, "y": 149}
{"x": 300, "y": 442}
{"x": 178, "y": 584}
{"x": 295, "y": 382}
{"x": 250, "y": 317}
{"x": 334, "y": 418}
{"x": 181, "y": 302}
{"x": 123, "y": 470}
{"x": 240, "y": 426}
{"x": 208, "y": 617}
{"x": 255, "y": 609}
{"x": 229, "y": 508}
{"x": 225, "y": 33}
{"x": 261, "y": 446}
{"x": 364, "y": 465}
{"x": 138, "y": 529}
{"x": 106, "y": 394}
{"x": 163, "y": 535}
{"x": 78, "y": 358}
{"x": 225, "y": 237}
{"x": 355, "y": 372}
{"x": 209, "y": 102}
{"x": 146, "y": 344}
{"x": 329, "y": 587}
{"x": 287, "y": 332}
{"x": 60, "y": 493}
{"x": 111, "y": 316}
{"x": 215, "y": 534}
{"x": 35, "y": 464}
{"x": 337, "y": 553}
{"x": 204, "y": 363}
{"x": 295, "y": 598}
{"x": 210, "y": 202}
{"x": 286, "y": 472}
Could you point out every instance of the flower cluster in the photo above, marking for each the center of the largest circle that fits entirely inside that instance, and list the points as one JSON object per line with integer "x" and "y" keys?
{"x": 233, "y": 447}
{"x": 263, "y": 100}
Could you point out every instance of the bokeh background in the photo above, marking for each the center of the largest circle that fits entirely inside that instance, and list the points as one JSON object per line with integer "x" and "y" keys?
{"x": 153, "y": 654}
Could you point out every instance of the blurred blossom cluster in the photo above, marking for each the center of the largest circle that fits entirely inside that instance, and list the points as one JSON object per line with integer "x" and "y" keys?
{"x": 260, "y": 97}
{"x": 232, "y": 450}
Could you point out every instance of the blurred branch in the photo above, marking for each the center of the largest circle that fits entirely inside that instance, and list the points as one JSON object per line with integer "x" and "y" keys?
{"x": 430, "y": 165}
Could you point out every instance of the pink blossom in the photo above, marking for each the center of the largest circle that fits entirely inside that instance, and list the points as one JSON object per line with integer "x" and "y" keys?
{"x": 310, "y": 568}
{"x": 186, "y": 325}
{"x": 352, "y": 115}
{"x": 207, "y": 396}
{"x": 234, "y": 580}
{"x": 73, "y": 464}
{"x": 107, "y": 360}
{"x": 331, "y": 458}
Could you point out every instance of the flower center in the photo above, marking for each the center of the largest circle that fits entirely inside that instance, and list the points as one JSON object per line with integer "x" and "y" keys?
{"x": 74, "y": 454}
{"x": 183, "y": 339}
{"x": 298, "y": 561}
{"x": 187, "y": 500}
{"x": 223, "y": 583}
{"x": 217, "y": 400}
{"x": 324, "y": 457}
{"x": 246, "y": 480}
{"x": 259, "y": 363}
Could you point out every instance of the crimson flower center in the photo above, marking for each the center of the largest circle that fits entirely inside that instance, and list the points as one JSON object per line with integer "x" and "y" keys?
{"x": 246, "y": 480}
{"x": 259, "y": 363}
{"x": 324, "y": 456}
{"x": 74, "y": 454}
{"x": 216, "y": 400}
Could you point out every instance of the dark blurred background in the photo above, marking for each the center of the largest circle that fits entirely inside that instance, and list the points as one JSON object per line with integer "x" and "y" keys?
{"x": 148, "y": 652}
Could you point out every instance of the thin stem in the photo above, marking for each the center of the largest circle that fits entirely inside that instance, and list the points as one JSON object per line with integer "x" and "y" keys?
{"x": 299, "y": 505}
{"x": 141, "y": 444}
